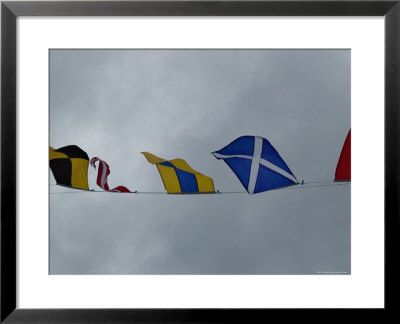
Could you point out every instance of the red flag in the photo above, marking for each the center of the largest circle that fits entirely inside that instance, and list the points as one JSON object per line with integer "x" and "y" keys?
{"x": 103, "y": 173}
{"x": 343, "y": 168}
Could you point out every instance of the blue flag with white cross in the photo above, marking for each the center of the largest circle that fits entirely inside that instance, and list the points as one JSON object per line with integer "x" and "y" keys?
{"x": 257, "y": 164}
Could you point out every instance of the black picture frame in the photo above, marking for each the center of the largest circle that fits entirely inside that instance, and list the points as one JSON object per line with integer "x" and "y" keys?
{"x": 10, "y": 10}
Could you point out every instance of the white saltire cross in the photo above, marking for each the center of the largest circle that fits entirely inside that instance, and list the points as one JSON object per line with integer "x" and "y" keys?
{"x": 256, "y": 160}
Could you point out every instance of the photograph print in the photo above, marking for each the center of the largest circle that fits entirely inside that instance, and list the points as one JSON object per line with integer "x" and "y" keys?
{"x": 199, "y": 162}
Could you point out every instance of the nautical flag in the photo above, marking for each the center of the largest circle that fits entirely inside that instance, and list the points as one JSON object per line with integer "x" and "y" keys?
{"x": 69, "y": 165}
{"x": 103, "y": 173}
{"x": 179, "y": 177}
{"x": 343, "y": 168}
{"x": 257, "y": 164}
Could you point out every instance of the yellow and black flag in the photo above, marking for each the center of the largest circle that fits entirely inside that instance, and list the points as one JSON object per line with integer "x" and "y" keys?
{"x": 69, "y": 165}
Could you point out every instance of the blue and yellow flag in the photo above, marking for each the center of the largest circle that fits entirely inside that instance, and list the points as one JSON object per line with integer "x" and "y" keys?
{"x": 179, "y": 177}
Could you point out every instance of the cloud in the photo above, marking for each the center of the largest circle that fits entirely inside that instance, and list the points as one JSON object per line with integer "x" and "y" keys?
{"x": 187, "y": 103}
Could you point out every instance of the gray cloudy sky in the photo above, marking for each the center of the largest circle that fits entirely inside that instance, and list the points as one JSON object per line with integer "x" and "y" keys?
{"x": 115, "y": 104}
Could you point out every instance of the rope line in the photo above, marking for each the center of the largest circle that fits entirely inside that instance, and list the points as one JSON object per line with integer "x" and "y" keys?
{"x": 298, "y": 186}
{"x": 327, "y": 185}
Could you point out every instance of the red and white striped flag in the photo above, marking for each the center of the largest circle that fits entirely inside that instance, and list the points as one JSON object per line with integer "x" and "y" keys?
{"x": 103, "y": 173}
